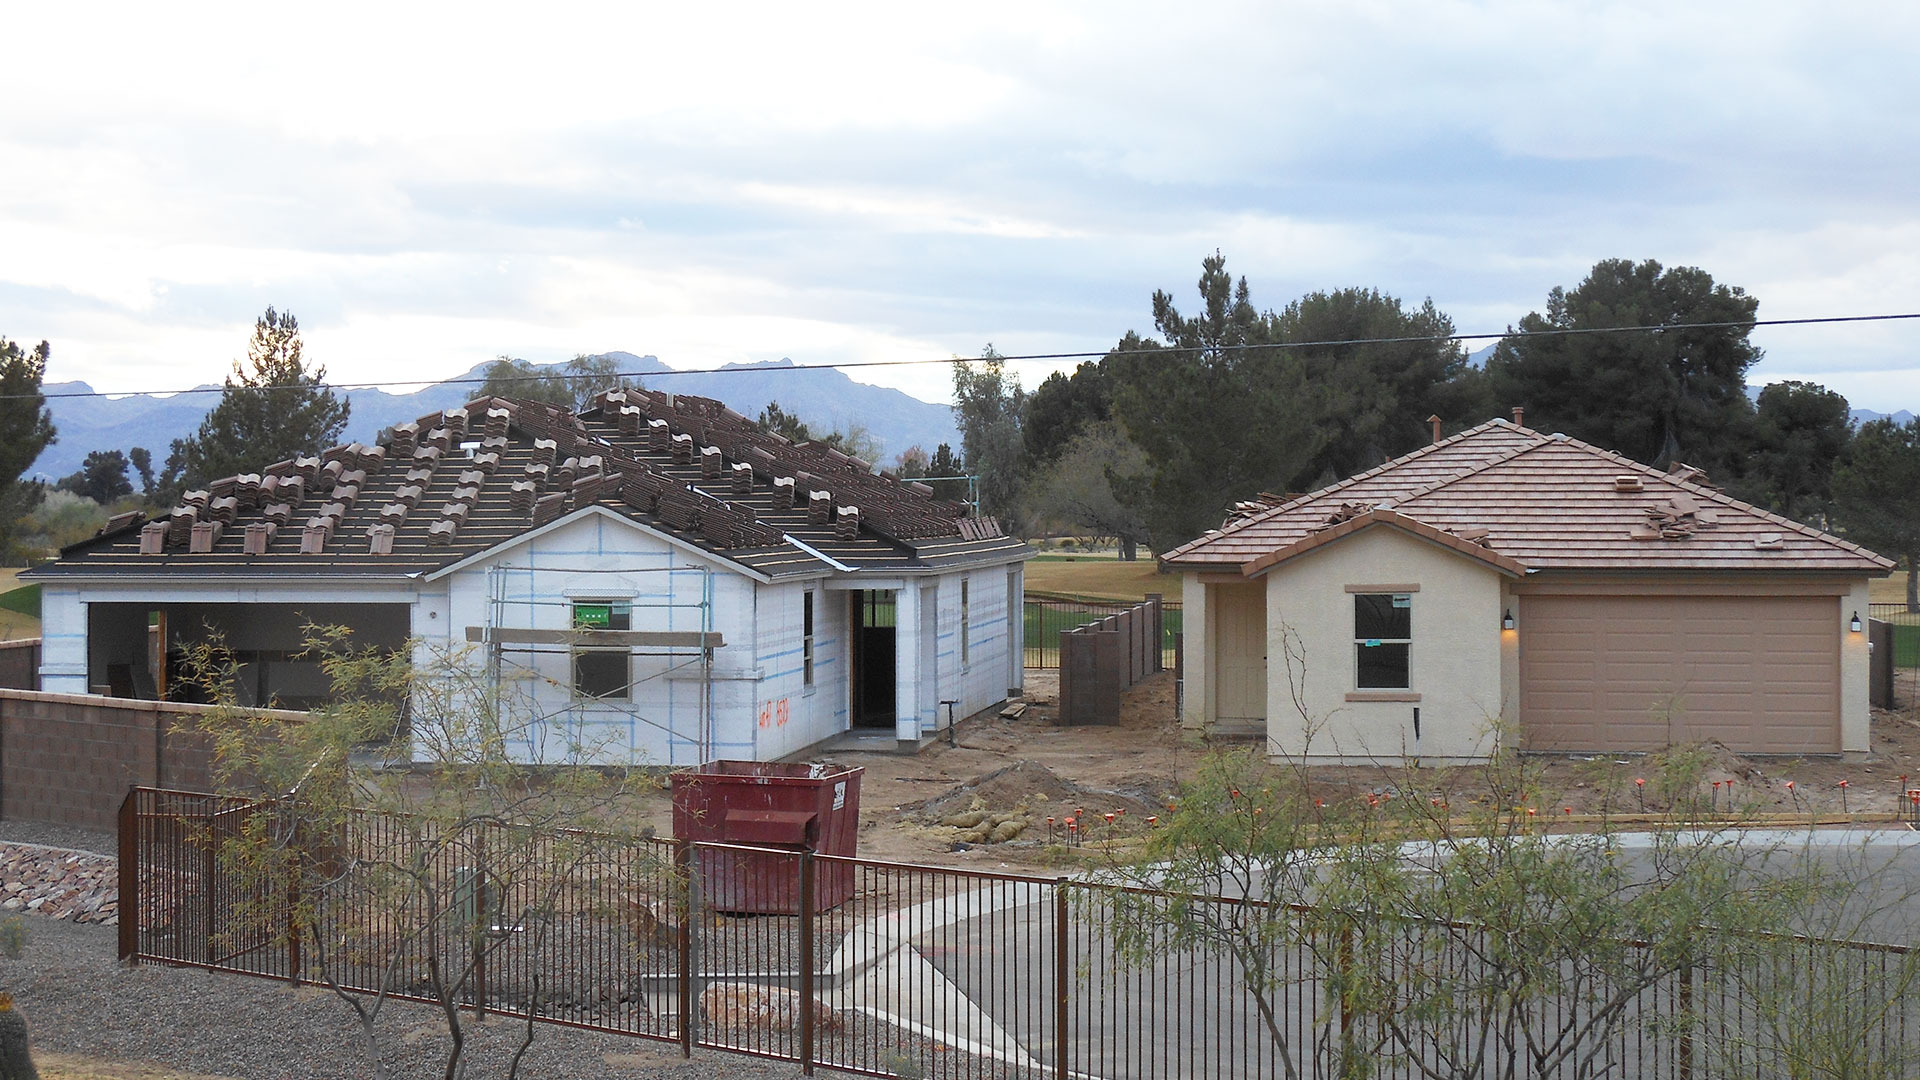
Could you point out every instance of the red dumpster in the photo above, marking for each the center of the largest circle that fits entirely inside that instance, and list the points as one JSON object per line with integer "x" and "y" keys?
{"x": 769, "y": 805}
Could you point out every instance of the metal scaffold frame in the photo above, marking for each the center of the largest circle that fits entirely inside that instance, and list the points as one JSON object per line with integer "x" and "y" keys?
{"x": 684, "y": 649}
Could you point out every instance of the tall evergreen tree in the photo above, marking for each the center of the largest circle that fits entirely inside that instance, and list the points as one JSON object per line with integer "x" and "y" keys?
{"x": 1876, "y": 492}
{"x": 987, "y": 407}
{"x": 102, "y": 477}
{"x": 1800, "y": 431}
{"x": 1677, "y": 393}
{"x": 272, "y": 408}
{"x": 26, "y": 427}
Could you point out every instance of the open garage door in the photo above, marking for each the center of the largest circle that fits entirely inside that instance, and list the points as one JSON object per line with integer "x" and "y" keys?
{"x": 1609, "y": 673}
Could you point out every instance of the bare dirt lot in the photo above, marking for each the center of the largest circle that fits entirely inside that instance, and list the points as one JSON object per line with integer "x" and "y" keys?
{"x": 984, "y": 802}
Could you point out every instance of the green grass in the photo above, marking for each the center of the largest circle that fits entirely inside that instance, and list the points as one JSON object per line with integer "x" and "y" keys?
{"x": 24, "y": 600}
{"x": 1045, "y": 624}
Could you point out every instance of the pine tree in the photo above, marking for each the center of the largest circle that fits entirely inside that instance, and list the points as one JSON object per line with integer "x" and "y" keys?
{"x": 272, "y": 408}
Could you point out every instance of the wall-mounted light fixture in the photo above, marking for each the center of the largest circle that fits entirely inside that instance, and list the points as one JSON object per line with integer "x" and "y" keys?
{"x": 1506, "y": 621}
{"x": 1854, "y": 623}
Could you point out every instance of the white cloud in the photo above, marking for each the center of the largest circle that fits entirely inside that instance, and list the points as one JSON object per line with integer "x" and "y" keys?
{"x": 428, "y": 187}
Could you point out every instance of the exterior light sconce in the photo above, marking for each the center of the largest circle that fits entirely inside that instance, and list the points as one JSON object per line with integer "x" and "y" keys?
{"x": 1854, "y": 623}
{"x": 1506, "y": 621}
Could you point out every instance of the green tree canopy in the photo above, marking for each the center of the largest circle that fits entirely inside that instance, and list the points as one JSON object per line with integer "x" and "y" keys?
{"x": 26, "y": 428}
{"x": 102, "y": 477}
{"x": 988, "y": 404}
{"x": 1062, "y": 407}
{"x": 1876, "y": 494}
{"x": 1800, "y": 431}
{"x": 1676, "y": 394}
{"x": 1218, "y": 420}
{"x": 572, "y": 385}
{"x": 272, "y": 408}
{"x": 142, "y": 460}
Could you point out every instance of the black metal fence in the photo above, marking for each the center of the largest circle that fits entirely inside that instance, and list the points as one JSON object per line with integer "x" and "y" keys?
{"x": 895, "y": 970}
{"x": 1903, "y": 684}
{"x": 1049, "y": 617}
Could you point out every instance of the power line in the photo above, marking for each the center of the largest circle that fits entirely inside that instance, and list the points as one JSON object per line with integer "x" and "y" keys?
{"x": 850, "y": 364}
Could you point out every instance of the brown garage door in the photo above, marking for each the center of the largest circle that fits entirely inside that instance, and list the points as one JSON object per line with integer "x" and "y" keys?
{"x": 1760, "y": 674}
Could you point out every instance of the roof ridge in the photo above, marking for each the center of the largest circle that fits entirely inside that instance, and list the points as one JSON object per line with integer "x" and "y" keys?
{"x": 1474, "y": 471}
{"x": 1718, "y": 496}
{"x": 1460, "y": 436}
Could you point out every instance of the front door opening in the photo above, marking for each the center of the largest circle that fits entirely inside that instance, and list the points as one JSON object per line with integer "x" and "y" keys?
{"x": 872, "y": 672}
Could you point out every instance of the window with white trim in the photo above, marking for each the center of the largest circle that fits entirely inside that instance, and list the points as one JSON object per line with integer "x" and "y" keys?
{"x": 1382, "y": 640}
{"x": 603, "y": 672}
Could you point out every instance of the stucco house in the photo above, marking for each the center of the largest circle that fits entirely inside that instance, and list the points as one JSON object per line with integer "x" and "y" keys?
{"x": 1509, "y": 578}
{"x": 654, "y": 578}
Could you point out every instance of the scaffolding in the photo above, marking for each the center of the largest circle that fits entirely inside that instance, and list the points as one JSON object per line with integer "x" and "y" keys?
{"x": 510, "y": 646}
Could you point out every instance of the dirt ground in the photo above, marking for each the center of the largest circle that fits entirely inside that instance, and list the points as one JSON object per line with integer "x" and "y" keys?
{"x": 984, "y": 802}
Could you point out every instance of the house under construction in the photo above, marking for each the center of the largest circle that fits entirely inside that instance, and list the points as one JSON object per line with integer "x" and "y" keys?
{"x": 655, "y": 578}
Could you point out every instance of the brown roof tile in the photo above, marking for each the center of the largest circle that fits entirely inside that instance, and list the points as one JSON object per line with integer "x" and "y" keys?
{"x": 1549, "y": 503}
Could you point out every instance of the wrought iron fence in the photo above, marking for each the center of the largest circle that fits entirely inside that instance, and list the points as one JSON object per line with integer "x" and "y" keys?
{"x": 895, "y": 970}
{"x": 1906, "y": 650}
{"x": 1049, "y": 617}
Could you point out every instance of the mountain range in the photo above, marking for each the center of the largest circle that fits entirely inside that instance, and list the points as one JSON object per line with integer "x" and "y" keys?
{"x": 825, "y": 398}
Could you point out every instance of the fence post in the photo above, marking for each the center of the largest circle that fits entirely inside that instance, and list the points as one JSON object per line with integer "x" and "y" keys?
{"x": 807, "y": 872}
{"x": 293, "y": 902}
{"x": 1686, "y": 1020}
{"x": 1060, "y": 979}
{"x": 208, "y": 868}
{"x": 684, "y": 866}
{"x": 129, "y": 898}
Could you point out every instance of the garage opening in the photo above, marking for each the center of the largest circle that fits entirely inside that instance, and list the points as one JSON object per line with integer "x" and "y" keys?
{"x": 137, "y": 650}
{"x": 1760, "y": 674}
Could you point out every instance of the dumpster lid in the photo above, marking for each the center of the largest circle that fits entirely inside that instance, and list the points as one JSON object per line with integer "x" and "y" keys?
{"x": 770, "y": 826}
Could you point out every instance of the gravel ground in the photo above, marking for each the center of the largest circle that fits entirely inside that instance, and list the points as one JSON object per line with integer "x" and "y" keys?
{"x": 61, "y": 836}
{"x": 77, "y": 999}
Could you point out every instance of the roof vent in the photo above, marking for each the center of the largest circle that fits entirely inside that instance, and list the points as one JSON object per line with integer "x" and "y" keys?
{"x": 1770, "y": 542}
{"x": 1519, "y": 416}
{"x": 1627, "y": 483}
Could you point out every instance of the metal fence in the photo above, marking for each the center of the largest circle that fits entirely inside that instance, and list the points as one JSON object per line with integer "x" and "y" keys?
{"x": 1049, "y": 617}
{"x": 896, "y": 970}
{"x": 1904, "y": 682}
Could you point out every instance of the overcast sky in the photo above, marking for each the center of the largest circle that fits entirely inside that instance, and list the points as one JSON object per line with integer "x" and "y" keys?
{"x": 426, "y": 189}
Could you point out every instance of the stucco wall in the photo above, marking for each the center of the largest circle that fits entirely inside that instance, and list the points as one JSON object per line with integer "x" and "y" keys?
{"x": 1454, "y": 662}
{"x": 1855, "y": 711}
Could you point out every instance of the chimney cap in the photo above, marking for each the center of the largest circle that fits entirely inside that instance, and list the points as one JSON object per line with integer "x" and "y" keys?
{"x": 1519, "y": 416}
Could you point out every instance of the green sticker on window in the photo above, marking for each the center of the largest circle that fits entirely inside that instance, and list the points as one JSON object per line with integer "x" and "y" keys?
{"x": 592, "y": 616}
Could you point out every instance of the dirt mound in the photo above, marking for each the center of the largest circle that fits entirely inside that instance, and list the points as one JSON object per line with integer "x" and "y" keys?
{"x": 1011, "y": 803}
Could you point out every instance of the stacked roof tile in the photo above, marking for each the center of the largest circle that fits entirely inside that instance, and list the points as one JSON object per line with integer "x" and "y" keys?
{"x": 1547, "y": 502}
{"x": 455, "y": 483}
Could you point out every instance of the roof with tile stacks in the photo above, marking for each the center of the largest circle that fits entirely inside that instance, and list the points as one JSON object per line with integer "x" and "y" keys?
{"x": 1538, "y": 502}
{"x": 456, "y": 484}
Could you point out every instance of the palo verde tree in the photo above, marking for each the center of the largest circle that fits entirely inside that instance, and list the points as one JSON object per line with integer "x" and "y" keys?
{"x": 1876, "y": 489}
{"x": 1441, "y": 927}
{"x": 271, "y": 408}
{"x": 418, "y": 884}
{"x": 1674, "y": 391}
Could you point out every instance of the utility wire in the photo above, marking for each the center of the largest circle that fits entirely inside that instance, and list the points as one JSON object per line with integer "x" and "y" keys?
{"x": 846, "y": 364}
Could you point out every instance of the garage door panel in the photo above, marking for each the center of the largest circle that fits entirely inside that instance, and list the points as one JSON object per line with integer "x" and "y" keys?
{"x": 1760, "y": 674}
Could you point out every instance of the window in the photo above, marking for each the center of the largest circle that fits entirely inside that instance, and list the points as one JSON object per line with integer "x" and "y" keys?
{"x": 806, "y": 639}
{"x": 966, "y": 613}
{"x": 1382, "y": 633}
{"x": 599, "y": 671}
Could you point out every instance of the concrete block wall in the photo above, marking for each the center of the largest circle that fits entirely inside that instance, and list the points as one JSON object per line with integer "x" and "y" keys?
{"x": 69, "y": 758}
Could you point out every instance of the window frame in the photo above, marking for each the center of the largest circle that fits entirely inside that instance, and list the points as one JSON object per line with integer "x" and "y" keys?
{"x": 808, "y": 613}
{"x": 619, "y": 617}
{"x": 966, "y": 629}
{"x": 1360, "y": 644}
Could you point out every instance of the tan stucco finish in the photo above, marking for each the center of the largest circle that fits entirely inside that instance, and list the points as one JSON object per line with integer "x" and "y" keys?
{"x": 1454, "y": 663}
